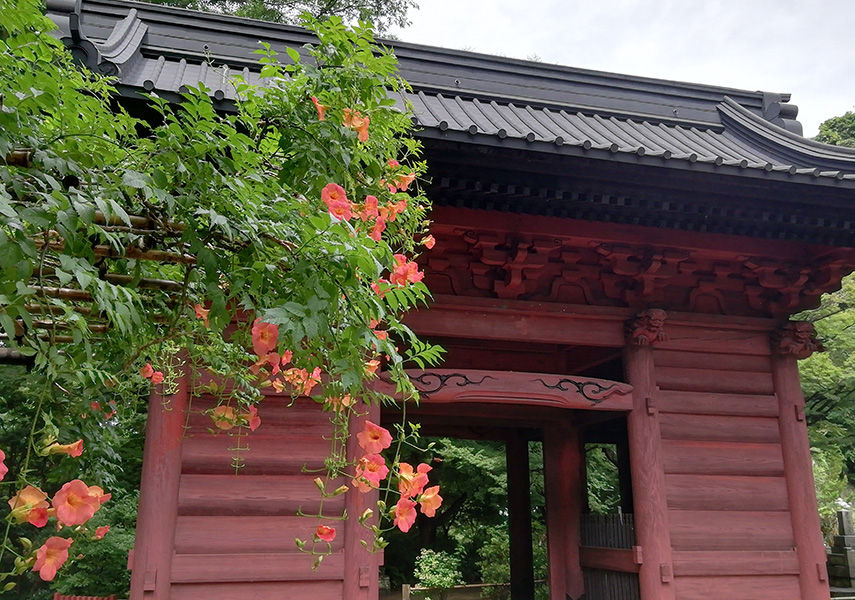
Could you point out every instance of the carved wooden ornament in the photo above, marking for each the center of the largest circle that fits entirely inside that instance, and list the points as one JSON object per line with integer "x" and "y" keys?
{"x": 796, "y": 338}
{"x": 647, "y": 327}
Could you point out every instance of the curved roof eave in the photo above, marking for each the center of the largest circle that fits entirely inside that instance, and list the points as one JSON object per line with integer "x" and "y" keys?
{"x": 810, "y": 152}
{"x": 474, "y": 98}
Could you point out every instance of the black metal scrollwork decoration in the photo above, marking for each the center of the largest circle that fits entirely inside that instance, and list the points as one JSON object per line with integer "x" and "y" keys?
{"x": 430, "y": 383}
{"x": 593, "y": 391}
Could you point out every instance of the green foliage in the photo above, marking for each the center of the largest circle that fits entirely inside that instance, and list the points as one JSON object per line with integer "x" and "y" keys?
{"x": 828, "y": 378}
{"x": 838, "y": 131}
{"x": 382, "y": 13}
{"x": 828, "y": 381}
{"x": 494, "y": 561}
{"x": 437, "y": 570}
{"x": 112, "y": 459}
{"x": 494, "y": 555}
{"x": 116, "y": 236}
{"x": 473, "y": 523}
{"x": 829, "y": 477}
{"x": 603, "y": 481}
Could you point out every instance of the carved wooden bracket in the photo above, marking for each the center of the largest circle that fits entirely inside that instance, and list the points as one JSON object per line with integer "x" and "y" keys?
{"x": 796, "y": 338}
{"x": 647, "y": 327}
{"x": 577, "y": 270}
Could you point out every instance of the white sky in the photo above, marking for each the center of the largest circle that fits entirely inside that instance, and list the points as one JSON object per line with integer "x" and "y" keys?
{"x": 804, "y": 47}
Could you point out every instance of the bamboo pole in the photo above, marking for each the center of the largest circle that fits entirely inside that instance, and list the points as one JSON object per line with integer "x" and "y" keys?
{"x": 104, "y": 251}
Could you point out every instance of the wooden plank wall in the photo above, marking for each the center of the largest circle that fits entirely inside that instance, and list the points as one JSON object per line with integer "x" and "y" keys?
{"x": 235, "y": 533}
{"x": 731, "y": 529}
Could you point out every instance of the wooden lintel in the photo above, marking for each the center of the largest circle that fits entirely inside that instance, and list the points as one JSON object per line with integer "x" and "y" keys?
{"x": 440, "y": 386}
{"x": 609, "y": 559}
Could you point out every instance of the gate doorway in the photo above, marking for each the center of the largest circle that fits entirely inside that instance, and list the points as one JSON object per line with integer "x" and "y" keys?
{"x": 560, "y": 416}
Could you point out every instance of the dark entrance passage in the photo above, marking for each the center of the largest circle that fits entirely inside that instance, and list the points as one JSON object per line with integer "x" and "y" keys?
{"x": 521, "y": 409}
{"x": 494, "y": 515}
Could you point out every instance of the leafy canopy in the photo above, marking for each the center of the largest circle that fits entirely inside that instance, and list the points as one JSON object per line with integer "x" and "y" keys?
{"x": 382, "y": 13}
{"x": 838, "y": 131}
{"x": 131, "y": 252}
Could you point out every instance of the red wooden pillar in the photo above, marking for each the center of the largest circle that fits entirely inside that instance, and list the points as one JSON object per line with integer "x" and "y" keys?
{"x": 519, "y": 518}
{"x": 158, "y": 508}
{"x": 652, "y": 531}
{"x": 361, "y": 576}
{"x": 565, "y": 496}
{"x": 801, "y": 493}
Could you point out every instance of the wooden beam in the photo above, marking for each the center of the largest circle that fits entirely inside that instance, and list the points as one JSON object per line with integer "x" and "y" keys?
{"x": 158, "y": 507}
{"x": 707, "y": 563}
{"x": 624, "y": 465}
{"x": 456, "y": 386}
{"x": 519, "y": 519}
{"x": 360, "y": 566}
{"x": 267, "y": 566}
{"x": 490, "y": 319}
{"x": 801, "y": 492}
{"x": 10, "y": 356}
{"x": 648, "y": 478}
{"x": 624, "y": 560}
{"x": 709, "y": 403}
{"x": 564, "y": 463}
{"x": 725, "y": 246}
{"x": 513, "y": 320}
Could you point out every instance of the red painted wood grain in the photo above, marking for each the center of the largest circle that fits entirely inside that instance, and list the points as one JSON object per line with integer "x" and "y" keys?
{"x": 296, "y": 590}
{"x": 715, "y": 428}
{"x": 722, "y": 458}
{"x": 707, "y": 563}
{"x": 730, "y": 530}
{"x": 714, "y": 379}
{"x": 711, "y": 403}
{"x": 251, "y": 495}
{"x": 703, "y": 360}
{"x": 772, "y": 587}
{"x": 725, "y": 492}
{"x": 255, "y": 567}
{"x": 241, "y": 534}
{"x": 609, "y": 559}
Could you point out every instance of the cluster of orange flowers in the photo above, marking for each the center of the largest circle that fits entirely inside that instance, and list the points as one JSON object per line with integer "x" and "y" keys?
{"x": 369, "y": 211}
{"x": 148, "y": 372}
{"x": 74, "y": 504}
{"x": 335, "y": 197}
{"x": 371, "y": 469}
{"x": 352, "y": 119}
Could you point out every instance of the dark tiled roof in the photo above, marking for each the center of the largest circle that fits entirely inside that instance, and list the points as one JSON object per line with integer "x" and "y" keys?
{"x": 477, "y": 98}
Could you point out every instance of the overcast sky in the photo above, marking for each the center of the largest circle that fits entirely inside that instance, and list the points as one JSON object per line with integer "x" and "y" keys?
{"x": 804, "y": 47}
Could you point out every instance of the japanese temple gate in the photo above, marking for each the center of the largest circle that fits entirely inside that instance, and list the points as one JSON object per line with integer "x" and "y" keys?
{"x": 610, "y": 249}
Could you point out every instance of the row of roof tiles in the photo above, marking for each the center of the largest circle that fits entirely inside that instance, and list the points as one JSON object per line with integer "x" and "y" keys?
{"x": 714, "y": 146}
{"x": 737, "y": 138}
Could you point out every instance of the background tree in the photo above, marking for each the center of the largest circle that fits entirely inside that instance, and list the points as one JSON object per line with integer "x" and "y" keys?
{"x": 828, "y": 382}
{"x": 469, "y": 536}
{"x": 383, "y": 14}
{"x": 838, "y": 131}
{"x": 828, "y": 378}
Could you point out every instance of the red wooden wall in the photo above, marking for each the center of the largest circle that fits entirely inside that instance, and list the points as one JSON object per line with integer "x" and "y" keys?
{"x": 234, "y": 533}
{"x": 729, "y": 521}
{"x": 722, "y": 483}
